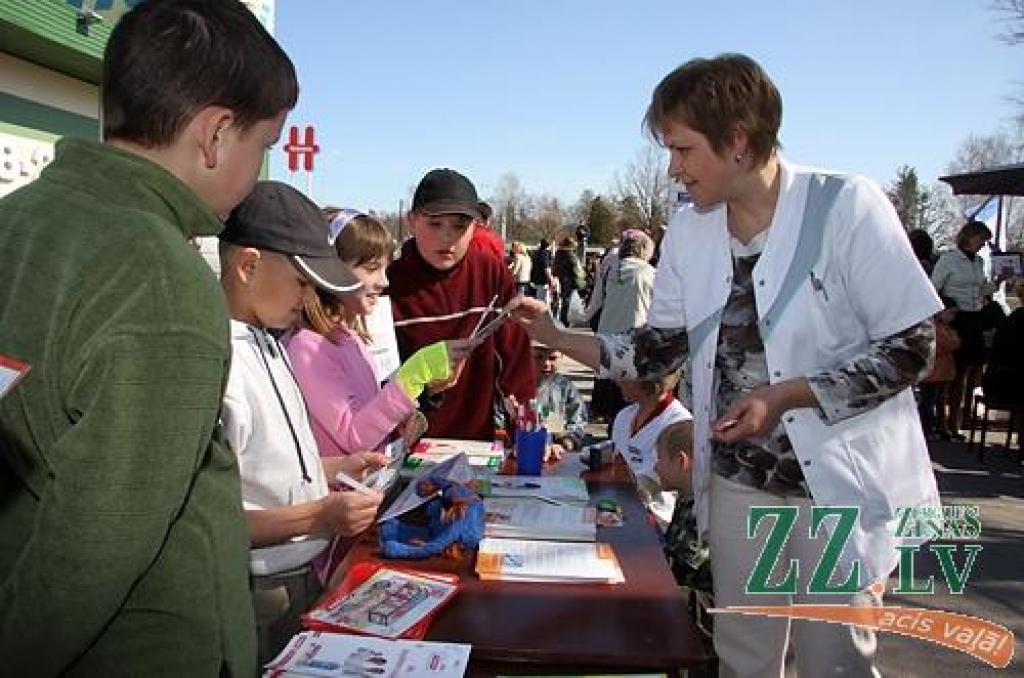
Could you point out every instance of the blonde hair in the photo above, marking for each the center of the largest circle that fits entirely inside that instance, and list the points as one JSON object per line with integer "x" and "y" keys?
{"x": 363, "y": 239}
{"x": 674, "y": 439}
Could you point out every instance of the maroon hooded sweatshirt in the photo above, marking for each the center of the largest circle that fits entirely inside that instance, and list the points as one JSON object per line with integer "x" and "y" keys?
{"x": 431, "y": 305}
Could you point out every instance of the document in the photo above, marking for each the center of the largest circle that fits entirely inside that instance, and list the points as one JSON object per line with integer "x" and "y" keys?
{"x": 428, "y": 452}
{"x": 326, "y": 655}
{"x": 387, "y": 604}
{"x": 529, "y": 519}
{"x": 548, "y": 561}
{"x": 384, "y": 345}
{"x": 552, "y": 489}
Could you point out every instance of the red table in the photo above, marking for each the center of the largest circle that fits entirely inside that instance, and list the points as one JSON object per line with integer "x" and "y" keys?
{"x": 522, "y": 628}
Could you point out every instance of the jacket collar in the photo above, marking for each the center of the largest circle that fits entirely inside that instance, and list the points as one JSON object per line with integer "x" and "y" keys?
{"x": 124, "y": 179}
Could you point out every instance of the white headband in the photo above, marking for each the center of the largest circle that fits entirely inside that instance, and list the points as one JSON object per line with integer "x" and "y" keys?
{"x": 340, "y": 221}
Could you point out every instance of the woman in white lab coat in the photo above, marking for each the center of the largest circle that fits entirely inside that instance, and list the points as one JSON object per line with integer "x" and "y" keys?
{"x": 797, "y": 300}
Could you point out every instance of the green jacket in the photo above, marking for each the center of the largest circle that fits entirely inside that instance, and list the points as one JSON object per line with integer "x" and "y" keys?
{"x": 123, "y": 545}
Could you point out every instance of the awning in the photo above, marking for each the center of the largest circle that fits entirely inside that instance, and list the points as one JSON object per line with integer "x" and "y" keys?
{"x": 1003, "y": 180}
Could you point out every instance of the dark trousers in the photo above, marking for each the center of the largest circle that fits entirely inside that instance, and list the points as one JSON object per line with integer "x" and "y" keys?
{"x": 278, "y": 600}
{"x": 929, "y": 397}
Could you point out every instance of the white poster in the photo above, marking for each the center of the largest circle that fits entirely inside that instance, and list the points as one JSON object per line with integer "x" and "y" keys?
{"x": 384, "y": 348}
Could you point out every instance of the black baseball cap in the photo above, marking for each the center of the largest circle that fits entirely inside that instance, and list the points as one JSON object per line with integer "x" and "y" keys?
{"x": 281, "y": 219}
{"x": 445, "y": 191}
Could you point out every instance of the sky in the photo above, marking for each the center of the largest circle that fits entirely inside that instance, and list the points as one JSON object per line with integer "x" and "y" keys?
{"x": 555, "y": 91}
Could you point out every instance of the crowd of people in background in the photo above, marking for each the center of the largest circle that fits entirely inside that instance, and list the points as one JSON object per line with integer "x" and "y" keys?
{"x": 974, "y": 333}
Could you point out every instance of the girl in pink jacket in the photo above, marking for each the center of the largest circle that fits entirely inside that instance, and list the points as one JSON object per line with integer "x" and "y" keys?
{"x": 349, "y": 409}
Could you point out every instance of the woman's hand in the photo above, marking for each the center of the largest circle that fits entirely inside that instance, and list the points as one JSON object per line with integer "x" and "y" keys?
{"x": 757, "y": 413}
{"x": 535, "y": 317}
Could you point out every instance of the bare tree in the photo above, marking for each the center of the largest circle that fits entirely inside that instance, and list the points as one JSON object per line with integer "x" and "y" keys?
{"x": 943, "y": 216}
{"x": 547, "y": 218}
{"x": 510, "y": 204}
{"x": 643, "y": 185}
{"x": 980, "y": 152}
{"x": 1012, "y": 11}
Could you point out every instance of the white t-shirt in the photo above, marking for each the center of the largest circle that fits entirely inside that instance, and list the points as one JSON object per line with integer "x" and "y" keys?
{"x": 265, "y": 422}
{"x": 640, "y": 454}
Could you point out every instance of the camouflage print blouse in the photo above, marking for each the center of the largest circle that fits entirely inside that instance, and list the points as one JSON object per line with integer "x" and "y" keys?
{"x": 687, "y": 553}
{"x": 769, "y": 463}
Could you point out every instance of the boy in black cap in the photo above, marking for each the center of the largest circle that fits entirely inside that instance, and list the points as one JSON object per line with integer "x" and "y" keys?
{"x": 273, "y": 250}
{"x": 443, "y": 286}
{"x": 122, "y": 537}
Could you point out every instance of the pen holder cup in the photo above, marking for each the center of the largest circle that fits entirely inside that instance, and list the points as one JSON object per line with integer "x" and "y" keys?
{"x": 530, "y": 449}
{"x": 599, "y": 455}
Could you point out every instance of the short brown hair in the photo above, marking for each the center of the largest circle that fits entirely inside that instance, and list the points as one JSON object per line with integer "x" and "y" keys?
{"x": 972, "y": 229}
{"x": 168, "y": 59}
{"x": 675, "y": 437}
{"x": 712, "y": 96}
{"x": 363, "y": 239}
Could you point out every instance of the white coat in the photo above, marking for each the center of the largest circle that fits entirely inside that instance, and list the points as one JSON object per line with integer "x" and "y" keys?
{"x": 836, "y": 273}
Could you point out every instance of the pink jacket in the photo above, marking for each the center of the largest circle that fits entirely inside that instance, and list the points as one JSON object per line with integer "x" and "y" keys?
{"x": 347, "y": 407}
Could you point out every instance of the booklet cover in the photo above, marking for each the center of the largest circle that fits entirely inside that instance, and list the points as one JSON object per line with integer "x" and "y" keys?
{"x": 326, "y": 655}
{"x": 455, "y": 469}
{"x": 11, "y": 372}
{"x": 379, "y": 600}
{"x": 548, "y": 561}
{"x": 529, "y": 519}
{"x": 429, "y": 452}
{"x": 552, "y": 489}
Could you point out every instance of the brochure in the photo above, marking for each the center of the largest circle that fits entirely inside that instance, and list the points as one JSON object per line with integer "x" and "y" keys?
{"x": 454, "y": 468}
{"x": 428, "y": 452}
{"x": 380, "y": 600}
{"x": 383, "y": 478}
{"x": 528, "y": 519}
{"x": 327, "y": 655}
{"x": 548, "y": 561}
{"x": 551, "y": 489}
{"x": 384, "y": 345}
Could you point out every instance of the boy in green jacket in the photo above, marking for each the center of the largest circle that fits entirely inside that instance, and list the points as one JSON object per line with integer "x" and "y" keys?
{"x": 123, "y": 545}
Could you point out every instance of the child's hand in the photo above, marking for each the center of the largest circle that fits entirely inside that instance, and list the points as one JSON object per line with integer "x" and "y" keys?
{"x": 346, "y": 513}
{"x": 458, "y": 352}
{"x": 434, "y": 367}
{"x": 355, "y": 465}
{"x": 413, "y": 428}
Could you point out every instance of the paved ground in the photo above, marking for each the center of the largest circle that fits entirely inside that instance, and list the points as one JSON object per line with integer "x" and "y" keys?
{"x": 995, "y": 590}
